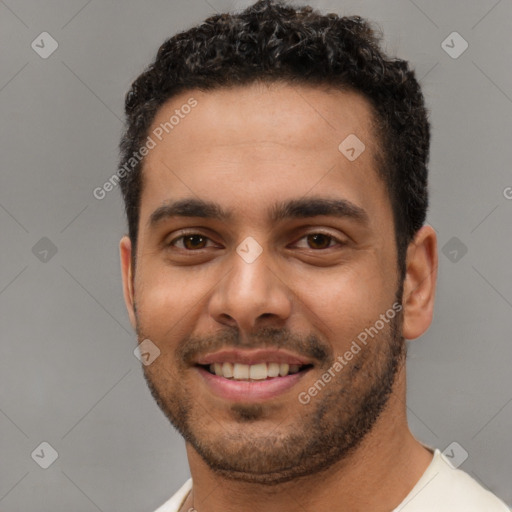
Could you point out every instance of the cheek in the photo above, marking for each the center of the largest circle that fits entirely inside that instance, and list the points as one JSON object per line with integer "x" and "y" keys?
{"x": 160, "y": 299}
{"x": 344, "y": 303}
{"x": 166, "y": 300}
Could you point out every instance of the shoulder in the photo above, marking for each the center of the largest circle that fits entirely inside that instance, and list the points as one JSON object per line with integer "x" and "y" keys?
{"x": 176, "y": 501}
{"x": 444, "y": 488}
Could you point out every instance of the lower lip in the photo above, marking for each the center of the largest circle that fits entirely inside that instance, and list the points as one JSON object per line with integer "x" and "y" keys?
{"x": 249, "y": 391}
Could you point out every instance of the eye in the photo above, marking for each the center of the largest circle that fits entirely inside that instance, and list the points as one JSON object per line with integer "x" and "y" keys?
{"x": 196, "y": 241}
{"x": 320, "y": 241}
{"x": 190, "y": 241}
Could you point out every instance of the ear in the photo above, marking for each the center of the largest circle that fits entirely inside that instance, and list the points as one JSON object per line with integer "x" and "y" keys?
{"x": 125, "y": 249}
{"x": 420, "y": 283}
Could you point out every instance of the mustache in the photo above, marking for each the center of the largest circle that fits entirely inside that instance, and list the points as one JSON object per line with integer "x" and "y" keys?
{"x": 309, "y": 346}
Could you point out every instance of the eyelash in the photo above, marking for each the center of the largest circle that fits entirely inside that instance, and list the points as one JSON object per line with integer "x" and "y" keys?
{"x": 191, "y": 233}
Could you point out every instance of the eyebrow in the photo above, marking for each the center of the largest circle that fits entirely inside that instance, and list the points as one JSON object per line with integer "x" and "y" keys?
{"x": 283, "y": 210}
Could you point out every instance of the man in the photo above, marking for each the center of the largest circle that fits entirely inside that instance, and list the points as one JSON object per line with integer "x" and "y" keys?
{"x": 274, "y": 171}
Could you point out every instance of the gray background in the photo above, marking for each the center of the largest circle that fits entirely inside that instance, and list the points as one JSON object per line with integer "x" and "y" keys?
{"x": 68, "y": 373}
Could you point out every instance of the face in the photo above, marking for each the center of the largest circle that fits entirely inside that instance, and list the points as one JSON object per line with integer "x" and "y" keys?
{"x": 263, "y": 248}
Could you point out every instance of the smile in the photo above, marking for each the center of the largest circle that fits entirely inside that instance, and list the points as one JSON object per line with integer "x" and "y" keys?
{"x": 260, "y": 371}
{"x": 242, "y": 383}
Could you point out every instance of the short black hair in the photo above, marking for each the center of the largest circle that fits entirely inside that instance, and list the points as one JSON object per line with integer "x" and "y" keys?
{"x": 271, "y": 41}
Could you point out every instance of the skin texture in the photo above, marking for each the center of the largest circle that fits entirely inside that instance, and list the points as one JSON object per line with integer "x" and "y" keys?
{"x": 247, "y": 148}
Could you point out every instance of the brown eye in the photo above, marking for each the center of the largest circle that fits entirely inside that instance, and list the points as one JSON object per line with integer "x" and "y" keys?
{"x": 319, "y": 241}
{"x": 194, "y": 241}
{"x": 191, "y": 242}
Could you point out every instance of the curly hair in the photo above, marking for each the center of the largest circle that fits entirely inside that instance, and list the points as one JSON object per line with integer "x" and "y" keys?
{"x": 270, "y": 41}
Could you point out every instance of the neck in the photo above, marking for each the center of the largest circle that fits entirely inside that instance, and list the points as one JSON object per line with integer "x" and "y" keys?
{"x": 377, "y": 476}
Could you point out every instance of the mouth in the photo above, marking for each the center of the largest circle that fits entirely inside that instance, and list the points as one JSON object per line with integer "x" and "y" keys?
{"x": 255, "y": 383}
{"x": 254, "y": 372}
{"x": 242, "y": 375}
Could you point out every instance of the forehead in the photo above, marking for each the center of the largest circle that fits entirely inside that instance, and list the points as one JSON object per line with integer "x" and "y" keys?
{"x": 249, "y": 146}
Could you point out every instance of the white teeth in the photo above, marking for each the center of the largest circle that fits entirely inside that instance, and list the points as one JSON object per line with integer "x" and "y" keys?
{"x": 241, "y": 371}
{"x": 273, "y": 369}
{"x": 227, "y": 370}
{"x": 259, "y": 371}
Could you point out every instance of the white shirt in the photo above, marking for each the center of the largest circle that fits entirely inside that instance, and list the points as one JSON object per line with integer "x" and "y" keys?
{"x": 440, "y": 489}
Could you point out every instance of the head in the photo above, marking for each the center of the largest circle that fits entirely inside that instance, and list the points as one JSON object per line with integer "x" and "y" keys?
{"x": 279, "y": 204}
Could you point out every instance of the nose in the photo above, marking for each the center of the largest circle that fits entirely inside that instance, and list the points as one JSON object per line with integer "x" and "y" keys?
{"x": 251, "y": 295}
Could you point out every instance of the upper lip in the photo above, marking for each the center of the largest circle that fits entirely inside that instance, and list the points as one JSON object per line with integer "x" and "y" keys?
{"x": 250, "y": 357}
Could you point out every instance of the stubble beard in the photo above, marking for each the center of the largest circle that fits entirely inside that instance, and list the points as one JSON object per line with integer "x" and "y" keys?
{"x": 318, "y": 435}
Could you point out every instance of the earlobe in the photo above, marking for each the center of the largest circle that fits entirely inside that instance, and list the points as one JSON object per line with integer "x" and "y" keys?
{"x": 420, "y": 283}
{"x": 125, "y": 250}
